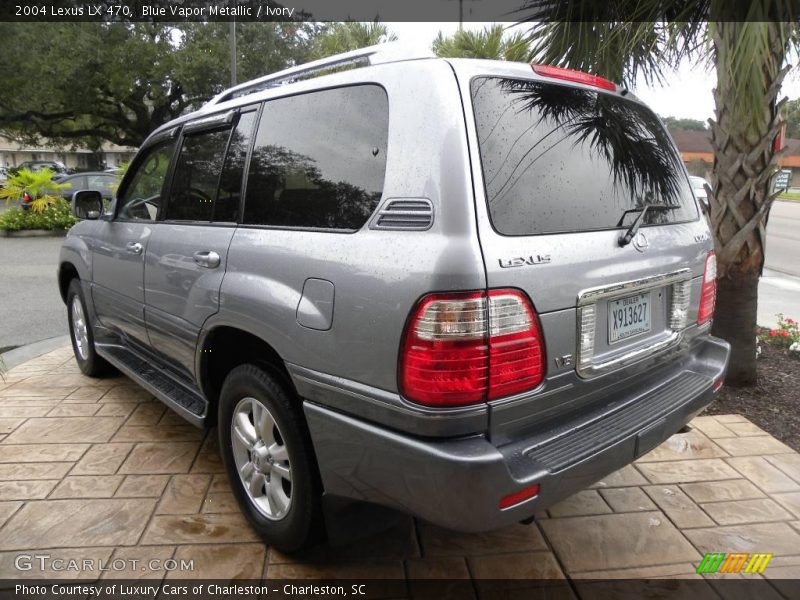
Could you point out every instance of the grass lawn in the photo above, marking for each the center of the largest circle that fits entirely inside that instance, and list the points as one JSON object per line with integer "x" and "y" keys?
{"x": 790, "y": 196}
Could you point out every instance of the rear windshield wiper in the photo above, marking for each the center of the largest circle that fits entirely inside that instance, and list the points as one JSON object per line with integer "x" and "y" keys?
{"x": 625, "y": 239}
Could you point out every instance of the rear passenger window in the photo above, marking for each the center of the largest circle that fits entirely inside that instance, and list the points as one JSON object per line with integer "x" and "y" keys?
{"x": 194, "y": 185}
{"x": 319, "y": 159}
{"x": 228, "y": 201}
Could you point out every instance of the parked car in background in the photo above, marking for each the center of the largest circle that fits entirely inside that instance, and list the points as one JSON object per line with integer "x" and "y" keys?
{"x": 39, "y": 165}
{"x": 3, "y": 175}
{"x": 698, "y": 187}
{"x": 103, "y": 182}
{"x": 436, "y": 285}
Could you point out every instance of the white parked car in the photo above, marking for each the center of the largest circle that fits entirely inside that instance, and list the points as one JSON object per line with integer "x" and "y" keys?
{"x": 698, "y": 187}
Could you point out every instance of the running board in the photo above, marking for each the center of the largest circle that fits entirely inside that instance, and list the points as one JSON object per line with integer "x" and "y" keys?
{"x": 188, "y": 403}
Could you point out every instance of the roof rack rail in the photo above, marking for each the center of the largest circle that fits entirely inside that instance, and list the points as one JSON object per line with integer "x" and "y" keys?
{"x": 371, "y": 55}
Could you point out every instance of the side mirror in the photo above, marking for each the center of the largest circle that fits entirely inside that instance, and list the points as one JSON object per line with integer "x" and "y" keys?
{"x": 87, "y": 204}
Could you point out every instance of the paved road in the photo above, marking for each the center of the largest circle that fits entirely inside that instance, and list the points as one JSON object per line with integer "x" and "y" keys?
{"x": 30, "y": 306}
{"x": 779, "y": 290}
{"x": 783, "y": 238}
{"x": 31, "y": 309}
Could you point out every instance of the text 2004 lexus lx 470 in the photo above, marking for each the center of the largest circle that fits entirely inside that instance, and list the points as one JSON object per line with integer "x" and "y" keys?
{"x": 464, "y": 289}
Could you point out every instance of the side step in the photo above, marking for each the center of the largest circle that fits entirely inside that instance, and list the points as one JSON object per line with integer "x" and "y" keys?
{"x": 188, "y": 403}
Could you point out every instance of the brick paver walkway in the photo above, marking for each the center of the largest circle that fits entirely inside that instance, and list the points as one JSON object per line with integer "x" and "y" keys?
{"x": 98, "y": 469}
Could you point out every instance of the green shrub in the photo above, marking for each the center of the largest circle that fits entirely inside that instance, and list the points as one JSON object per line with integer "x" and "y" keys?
{"x": 55, "y": 216}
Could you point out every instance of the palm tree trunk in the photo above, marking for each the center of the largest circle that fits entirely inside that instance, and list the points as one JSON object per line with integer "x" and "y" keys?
{"x": 744, "y": 162}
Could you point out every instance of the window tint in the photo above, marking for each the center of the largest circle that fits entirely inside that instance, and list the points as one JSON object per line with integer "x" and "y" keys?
{"x": 142, "y": 196}
{"x": 558, "y": 159}
{"x": 228, "y": 201}
{"x": 319, "y": 159}
{"x": 197, "y": 171}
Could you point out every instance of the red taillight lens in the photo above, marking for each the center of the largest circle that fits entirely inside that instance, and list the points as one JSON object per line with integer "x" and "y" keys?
{"x": 708, "y": 296}
{"x": 520, "y": 496}
{"x": 26, "y": 197}
{"x": 516, "y": 349}
{"x": 444, "y": 359}
{"x": 573, "y": 75}
{"x": 464, "y": 348}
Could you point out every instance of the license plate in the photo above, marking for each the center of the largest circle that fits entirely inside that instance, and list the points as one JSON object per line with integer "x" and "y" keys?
{"x": 628, "y": 317}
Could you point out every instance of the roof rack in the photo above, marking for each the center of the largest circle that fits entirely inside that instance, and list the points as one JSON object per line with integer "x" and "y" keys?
{"x": 371, "y": 55}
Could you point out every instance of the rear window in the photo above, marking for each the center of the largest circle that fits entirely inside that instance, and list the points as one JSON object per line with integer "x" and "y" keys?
{"x": 563, "y": 159}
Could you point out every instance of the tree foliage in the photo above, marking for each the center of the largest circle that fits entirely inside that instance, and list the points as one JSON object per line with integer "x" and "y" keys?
{"x": 676, "y": 124}
{"x": 489, "y": 43}
{"x": 336, "y": 38}
{"x": 83, "y": 83}
{"x": 790, "y": 112}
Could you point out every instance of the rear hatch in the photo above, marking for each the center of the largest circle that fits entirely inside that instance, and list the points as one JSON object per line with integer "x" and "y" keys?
{"x": 583, "y": 203}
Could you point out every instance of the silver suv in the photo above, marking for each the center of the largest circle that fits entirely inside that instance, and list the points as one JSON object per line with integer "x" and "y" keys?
{"x": 464, "y": 289}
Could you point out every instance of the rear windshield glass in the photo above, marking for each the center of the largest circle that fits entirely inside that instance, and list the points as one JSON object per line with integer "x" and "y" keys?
{"x": 563, "y": 159}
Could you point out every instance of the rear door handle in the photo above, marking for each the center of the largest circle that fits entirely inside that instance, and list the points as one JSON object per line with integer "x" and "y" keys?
{"x": 206, "y": 258}
{"x": 134, "y": 247}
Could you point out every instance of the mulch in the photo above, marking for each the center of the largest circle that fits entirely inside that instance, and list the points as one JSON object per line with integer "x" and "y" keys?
{"x": 774, "y": 402}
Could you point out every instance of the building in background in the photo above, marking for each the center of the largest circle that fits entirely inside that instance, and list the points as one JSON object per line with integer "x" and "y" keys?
{"x": 696, "y": 152}
{"x": 13, "y": 153}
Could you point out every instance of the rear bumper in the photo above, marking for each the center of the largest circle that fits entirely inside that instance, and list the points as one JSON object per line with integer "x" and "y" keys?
{"x": 458, "y": 483}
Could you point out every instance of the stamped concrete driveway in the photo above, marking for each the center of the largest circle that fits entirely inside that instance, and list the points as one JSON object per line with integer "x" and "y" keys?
{"x": 98, "y": 469}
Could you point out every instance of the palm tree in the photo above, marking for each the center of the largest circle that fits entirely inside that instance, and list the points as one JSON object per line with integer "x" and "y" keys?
{"x": 350, "y": 35}
{"x": 491, "y": 43}
{"x": 747, "y": 45}
{"x": 39, "y": 185}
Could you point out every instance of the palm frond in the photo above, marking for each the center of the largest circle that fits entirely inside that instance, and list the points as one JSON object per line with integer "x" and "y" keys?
{"x": 489, "y": 43}
{"x": 620, "y": 51}
{"x": 350, "y": 35}
{"x": 38, "y": 184}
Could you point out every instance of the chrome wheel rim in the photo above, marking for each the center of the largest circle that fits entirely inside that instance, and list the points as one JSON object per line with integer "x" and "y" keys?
{"x": 261, "y": 458}
{"x": 79, "y": 329}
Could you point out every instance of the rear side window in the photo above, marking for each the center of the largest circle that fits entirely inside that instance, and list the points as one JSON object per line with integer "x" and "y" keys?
{"x": 319, "y": 159}
{"x": 563, "y": 159}
{"x": 197, "y": 171}
{"x": 228, "y": 201}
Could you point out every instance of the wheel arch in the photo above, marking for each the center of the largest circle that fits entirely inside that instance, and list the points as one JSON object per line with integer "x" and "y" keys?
{"x": 222, "y": 349}
{"x": 66, "y": 273}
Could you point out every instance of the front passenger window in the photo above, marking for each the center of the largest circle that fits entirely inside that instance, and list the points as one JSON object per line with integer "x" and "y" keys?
{"x": 141, "y": 199}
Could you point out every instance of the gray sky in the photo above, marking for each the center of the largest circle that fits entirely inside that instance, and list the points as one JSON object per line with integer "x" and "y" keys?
{"x": 685, "y": 94}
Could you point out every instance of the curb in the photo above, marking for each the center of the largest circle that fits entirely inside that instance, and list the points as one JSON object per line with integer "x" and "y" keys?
{"x": 28, "y": 233}
{"x": 17, "y": 356}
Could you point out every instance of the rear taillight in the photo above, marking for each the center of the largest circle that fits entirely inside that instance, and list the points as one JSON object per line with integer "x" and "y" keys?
{"x": 708, "y": 296}
{"x": 573, "y": 75}
{"x": 26, "y": 197}
{"x": 467, "y": 347}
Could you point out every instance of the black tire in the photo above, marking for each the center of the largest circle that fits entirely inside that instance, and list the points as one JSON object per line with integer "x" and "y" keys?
{"x": 89, "y": 362}
{"x": 301, "y": 526}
